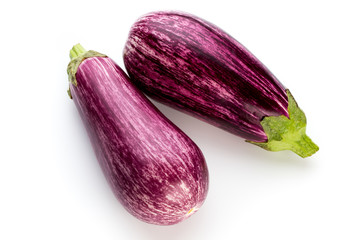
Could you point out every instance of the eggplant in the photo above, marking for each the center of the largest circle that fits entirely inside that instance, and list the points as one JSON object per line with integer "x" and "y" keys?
{"x": 192, "y": 65}
{"x": 154, "y": 169}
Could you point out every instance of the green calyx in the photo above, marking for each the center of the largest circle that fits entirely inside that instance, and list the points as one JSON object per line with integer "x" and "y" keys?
{"x": 288, "y": 133}
{"x": 77, "y": 55}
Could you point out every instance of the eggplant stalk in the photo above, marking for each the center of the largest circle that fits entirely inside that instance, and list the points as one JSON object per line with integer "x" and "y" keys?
{"x": 288, "y": 133}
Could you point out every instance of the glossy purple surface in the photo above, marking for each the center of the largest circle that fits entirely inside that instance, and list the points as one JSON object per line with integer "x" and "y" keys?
{"x": 192, "y": 65}
{"x": 154, "y": 169}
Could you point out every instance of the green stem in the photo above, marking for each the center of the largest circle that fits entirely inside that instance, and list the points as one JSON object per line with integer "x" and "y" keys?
{"x": 288, "y": 133}
{"x": 304, "y": 146}
{"x": 77, "y": 51}
{"x": 77, "y": 55}
{"x": 298, "y": 142}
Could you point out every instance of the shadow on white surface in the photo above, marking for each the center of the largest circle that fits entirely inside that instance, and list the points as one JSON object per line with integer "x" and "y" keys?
{"x": 229, "y": 159}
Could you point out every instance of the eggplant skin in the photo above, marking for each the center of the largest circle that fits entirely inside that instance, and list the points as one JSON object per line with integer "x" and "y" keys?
{"x": 194, "y": 66}
{"x": 155, "y": 170}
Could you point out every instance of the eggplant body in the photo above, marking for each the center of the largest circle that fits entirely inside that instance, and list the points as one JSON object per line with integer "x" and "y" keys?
{"x": 194, "y": 66}
{"x": 154, "y": 169}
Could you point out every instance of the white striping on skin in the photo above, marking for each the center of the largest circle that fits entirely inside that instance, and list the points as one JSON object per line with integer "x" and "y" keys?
{"x": 149, "y": 163}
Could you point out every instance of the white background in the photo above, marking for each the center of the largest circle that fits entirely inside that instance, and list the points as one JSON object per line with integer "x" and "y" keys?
{"x": 51, "y": 186}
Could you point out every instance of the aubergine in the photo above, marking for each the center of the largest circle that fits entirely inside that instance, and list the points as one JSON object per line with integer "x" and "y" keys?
{"x": 154, "y": 169}
{"x": 190, "y": 64}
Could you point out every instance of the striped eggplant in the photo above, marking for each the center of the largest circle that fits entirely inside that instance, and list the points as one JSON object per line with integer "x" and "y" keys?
{"x": 154, "y": 169}
{"x": 194, "y": 66}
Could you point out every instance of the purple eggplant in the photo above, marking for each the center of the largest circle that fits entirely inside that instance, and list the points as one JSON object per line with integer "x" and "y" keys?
{"x": 154, "y": 169}
{"x": 194, "y": 66}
